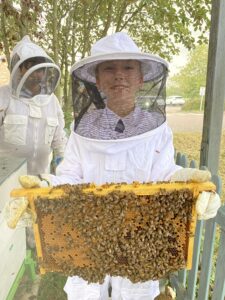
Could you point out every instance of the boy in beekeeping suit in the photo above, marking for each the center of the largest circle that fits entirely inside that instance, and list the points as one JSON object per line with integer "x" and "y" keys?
{"x": 31, "y": 119}
{"x": 120, "y": 135}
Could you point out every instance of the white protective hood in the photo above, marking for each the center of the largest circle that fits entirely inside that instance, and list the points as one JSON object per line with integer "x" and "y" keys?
{"x": 24, "y": 50}
{"x": 114, "y": 47}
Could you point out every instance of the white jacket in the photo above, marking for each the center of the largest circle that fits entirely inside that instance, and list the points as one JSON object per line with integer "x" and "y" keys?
{"x": 31, "y": 129}
{"x": 146, "y": 157}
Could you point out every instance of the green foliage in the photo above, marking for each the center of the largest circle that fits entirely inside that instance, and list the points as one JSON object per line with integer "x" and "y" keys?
{"x": 193, "y": 105}
{"x": 17, "y": 18}
{"x": 68, "y": 116}
{"x": 192, "y": 76}
{"x": 68, "y": 28}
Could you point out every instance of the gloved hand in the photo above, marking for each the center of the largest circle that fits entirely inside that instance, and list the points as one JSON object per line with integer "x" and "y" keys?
{"x": 57, "y": 160}
{"x": 30, "y": 181}
{"x": 207, "y": 203}
{"x": 17, "y": 214}
{"x": 187, "y": 174}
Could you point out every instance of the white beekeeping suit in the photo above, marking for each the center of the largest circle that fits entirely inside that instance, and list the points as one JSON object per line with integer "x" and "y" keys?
{"x": 102, "y": 150}
{"x": 31, "y": 119}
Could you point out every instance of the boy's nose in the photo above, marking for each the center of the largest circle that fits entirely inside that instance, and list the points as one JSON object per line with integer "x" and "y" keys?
{"x": 119, "y": 73}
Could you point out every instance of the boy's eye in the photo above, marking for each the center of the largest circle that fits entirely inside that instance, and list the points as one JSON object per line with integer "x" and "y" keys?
{"x": 108, "y": 68}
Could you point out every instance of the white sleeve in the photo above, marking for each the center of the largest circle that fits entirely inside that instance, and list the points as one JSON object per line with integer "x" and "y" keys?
{"x": 164, "y": 163}
{"x": 59, "y": 139}
{"x": 69, "y": 170}
{"x": 4, "y": 102}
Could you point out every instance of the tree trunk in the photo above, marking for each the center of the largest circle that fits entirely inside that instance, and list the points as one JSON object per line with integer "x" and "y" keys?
{"x": 55, "y": 43}
{"x": 4, "y": 35}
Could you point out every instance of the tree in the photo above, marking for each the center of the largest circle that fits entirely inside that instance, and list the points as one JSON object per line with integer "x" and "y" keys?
{"x": 192, "y": 76}
{"x": 68, "y": 28}
{"x": 18, "y": 18}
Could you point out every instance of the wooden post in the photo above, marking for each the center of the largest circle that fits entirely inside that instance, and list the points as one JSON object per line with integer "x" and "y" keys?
{"x": 215, "y": 90}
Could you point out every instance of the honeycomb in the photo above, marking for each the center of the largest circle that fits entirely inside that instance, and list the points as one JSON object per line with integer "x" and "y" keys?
{"x": 138, "y": 231}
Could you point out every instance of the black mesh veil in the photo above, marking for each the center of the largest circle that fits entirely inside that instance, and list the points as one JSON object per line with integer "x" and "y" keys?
{"x": 34, "y": 73}
{"x": 90, "y": 106}
{"x": 84, "y": 95}
{"x": 152, "y": 97}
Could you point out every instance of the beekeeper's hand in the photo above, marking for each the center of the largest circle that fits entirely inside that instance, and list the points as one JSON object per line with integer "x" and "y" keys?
{"x": 30, "y": 181}
{"x": 207, "y": 203}
{"x": 57, "y": 160}
{"x": 17, "y": 214}
{"x": 187, "y": 174}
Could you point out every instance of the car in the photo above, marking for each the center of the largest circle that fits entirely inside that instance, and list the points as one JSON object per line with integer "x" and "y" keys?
{"x": 147, "y": 101}
{"x": 175, "y": 100}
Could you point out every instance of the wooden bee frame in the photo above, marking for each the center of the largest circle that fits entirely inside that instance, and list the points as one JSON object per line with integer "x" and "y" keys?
{"x": 139, "y": 231}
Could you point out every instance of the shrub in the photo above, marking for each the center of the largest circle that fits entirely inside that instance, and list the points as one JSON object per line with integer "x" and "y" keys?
{"x": 192, "y": 105}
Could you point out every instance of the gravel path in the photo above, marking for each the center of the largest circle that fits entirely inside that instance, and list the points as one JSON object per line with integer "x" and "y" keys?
{"x": 184, "y": 121}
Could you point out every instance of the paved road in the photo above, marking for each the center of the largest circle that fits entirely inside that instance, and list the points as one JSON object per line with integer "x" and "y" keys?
{"x": 185, "y": 122}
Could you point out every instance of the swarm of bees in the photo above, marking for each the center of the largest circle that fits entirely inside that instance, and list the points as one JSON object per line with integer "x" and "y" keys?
{"x": 119, "y": 233}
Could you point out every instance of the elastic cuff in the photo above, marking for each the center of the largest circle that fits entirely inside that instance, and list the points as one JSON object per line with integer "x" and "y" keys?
{"x": 43, "y": 179}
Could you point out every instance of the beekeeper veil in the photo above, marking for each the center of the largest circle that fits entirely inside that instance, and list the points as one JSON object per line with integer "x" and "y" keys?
{"x": 33, "y": 72}
{"x": 118, "y": 91}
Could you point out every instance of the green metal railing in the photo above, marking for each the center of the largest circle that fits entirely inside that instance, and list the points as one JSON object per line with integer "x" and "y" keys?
{"x": 195, "y": 284}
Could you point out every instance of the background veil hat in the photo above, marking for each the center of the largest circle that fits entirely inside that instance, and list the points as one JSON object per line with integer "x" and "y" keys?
{"x": 26, "y": 49}
{"x": 119, "y": 46}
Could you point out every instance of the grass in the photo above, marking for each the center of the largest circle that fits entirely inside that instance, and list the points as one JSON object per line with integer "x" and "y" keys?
{"x": 51, "y": 285}
{"x": 189, "y": 143}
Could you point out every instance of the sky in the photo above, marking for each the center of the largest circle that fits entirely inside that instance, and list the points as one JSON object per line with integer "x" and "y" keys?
{"x": 178, "y": 61}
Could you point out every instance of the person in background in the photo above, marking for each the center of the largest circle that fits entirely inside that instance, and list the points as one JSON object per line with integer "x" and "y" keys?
{"x": 120, "y": 135}
{"x": 31, "y": 119}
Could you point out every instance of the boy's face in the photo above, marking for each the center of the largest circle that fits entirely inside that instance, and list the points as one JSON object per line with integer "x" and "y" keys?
{"x": 119, "y": 79}
{"x": 35, "y": 78}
